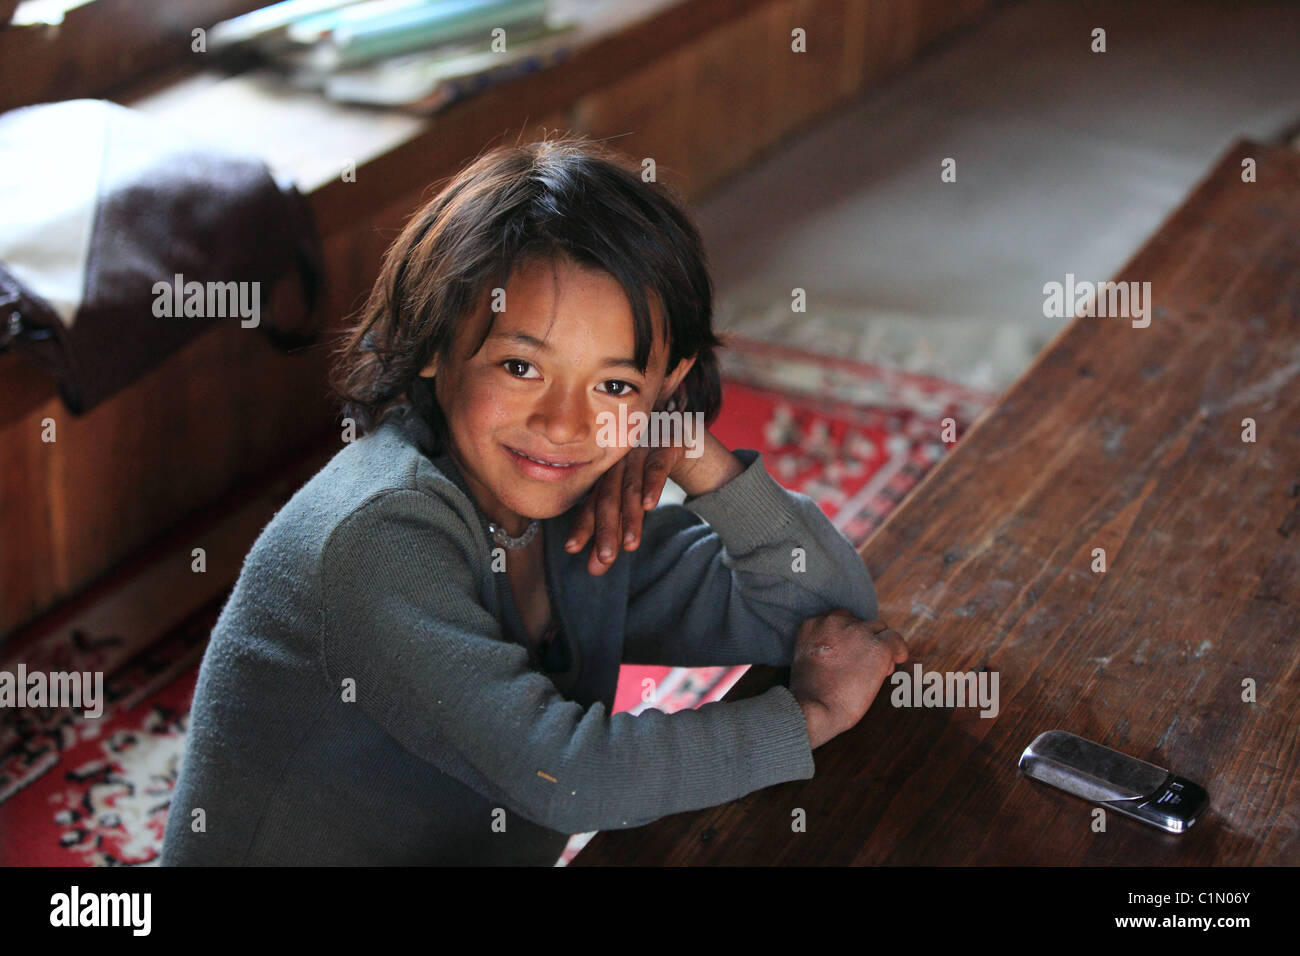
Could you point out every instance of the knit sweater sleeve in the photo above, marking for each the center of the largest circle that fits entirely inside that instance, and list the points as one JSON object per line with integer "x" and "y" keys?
{"x": 735, "y": 587}
{"x": 401, "y": 617}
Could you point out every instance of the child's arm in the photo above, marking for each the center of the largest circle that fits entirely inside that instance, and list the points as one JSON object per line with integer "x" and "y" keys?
{"x": 400, "y": 616}
{"x": 736, "y": 590}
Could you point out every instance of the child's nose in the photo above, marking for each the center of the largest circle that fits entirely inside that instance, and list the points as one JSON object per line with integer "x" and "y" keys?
{"x": 564, "y": 415}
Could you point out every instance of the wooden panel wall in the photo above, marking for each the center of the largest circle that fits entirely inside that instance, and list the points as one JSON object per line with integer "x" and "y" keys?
{"x": 228, "y": 407}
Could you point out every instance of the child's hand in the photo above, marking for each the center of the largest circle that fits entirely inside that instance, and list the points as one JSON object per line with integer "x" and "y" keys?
{"x": 840, "y": 663}
{"x": 617, "y": 503}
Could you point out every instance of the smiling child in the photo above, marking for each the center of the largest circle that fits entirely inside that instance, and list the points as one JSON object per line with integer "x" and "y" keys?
{"x": 418, "y": 661}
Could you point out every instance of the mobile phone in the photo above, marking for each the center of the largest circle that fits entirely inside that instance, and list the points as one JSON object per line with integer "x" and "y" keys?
{"x": 1114, "y": 780}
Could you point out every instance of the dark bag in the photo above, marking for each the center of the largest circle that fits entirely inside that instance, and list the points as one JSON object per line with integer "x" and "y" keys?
{"x": 106, "y": 214}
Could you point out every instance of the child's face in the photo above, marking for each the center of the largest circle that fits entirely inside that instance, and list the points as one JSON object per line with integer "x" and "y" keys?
{"x": 517, "y": 398}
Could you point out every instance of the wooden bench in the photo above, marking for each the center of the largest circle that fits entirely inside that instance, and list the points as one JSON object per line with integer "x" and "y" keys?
{"x": 1118, "y": 438}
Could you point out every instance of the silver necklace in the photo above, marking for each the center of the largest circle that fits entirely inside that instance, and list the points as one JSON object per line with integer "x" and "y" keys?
{"x": 513, "y": 544}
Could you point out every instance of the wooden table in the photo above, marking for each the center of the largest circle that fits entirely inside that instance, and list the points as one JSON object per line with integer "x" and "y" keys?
{"x": 1122, "y": 438}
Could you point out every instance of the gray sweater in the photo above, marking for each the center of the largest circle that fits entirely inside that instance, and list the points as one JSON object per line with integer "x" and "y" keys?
{"x": 368, "y": 696}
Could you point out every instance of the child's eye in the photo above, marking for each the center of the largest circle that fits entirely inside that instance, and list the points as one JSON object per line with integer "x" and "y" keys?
{"x": 623, "y": 385}
{"x": 509, "y": 362}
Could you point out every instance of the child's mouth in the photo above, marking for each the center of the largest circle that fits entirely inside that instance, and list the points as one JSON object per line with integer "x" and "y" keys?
{"x": 542, "y": 470}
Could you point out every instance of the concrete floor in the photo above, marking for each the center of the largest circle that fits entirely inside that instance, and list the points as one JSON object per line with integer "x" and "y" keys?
{"x": 1066, "y": 162}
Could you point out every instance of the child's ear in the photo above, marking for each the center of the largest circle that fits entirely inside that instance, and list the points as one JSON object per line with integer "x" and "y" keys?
{"x": 673, "y": 381}
{"x": 430, "y": 370}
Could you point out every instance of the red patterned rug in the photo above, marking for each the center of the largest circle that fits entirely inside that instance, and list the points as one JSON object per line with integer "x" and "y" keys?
{"x": 75, "y": 792}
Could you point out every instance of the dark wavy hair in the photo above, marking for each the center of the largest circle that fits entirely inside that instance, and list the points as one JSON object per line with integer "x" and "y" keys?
{"x": 561, "y": 197}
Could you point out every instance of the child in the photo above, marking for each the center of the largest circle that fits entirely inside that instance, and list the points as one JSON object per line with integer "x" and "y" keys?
{"x": 414, "y": 666}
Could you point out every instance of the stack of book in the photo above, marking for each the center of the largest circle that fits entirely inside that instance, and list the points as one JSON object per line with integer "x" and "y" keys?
{"x": 418, "y": 55}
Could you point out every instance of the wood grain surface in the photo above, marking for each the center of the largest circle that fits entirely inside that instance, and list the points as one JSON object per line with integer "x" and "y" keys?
{"x": 1121, "y": 438}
